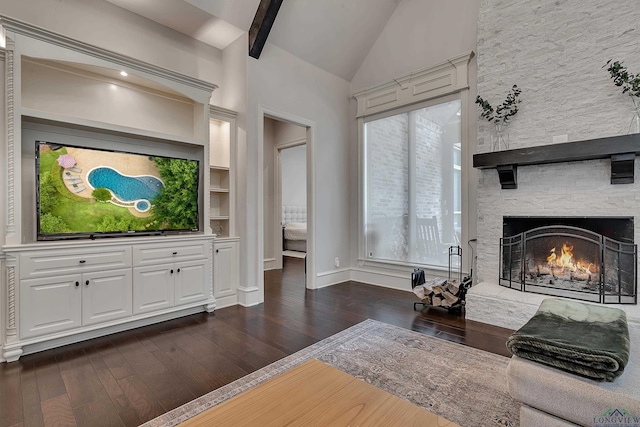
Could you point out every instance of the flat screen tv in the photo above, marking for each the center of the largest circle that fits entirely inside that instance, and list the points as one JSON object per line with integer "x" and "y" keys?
{"x": 88, "y": 193}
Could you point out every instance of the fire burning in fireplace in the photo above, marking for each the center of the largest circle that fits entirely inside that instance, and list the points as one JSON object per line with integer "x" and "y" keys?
{"x": 560, "y": 267}
{"x": 565, "y": 261}
{"x": 570, "y": 261}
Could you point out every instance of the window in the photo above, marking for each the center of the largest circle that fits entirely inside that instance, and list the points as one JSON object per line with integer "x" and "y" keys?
{"x": 412, "y": 185}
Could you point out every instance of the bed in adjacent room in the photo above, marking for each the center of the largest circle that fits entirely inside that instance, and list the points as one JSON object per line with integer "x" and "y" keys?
{"x": 294, "y": 228}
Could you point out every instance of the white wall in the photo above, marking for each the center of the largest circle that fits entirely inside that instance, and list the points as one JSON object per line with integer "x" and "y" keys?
{"x": 294, "y": 176}
{"x": 234, "y": 96}
{"x": 281, "y": 82}
{"x": 288, "y": 132}
{"x": 420, "y": 33}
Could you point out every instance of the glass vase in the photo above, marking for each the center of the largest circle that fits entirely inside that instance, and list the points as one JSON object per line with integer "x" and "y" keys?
{"x": 500, "y": 141}
{"x": 635, "y": 122}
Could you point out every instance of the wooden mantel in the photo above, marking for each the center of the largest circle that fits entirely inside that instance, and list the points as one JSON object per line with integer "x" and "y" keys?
{"x": 622, "y": 151}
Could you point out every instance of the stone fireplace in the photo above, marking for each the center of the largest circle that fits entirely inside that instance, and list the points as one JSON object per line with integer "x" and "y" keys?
{"x": 587, "y": 258}
{"x": 567, "y": 97}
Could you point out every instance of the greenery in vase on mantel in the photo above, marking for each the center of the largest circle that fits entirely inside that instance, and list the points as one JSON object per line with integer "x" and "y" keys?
{"x": 501, "y": 115}
{"x": 630, "y": 84}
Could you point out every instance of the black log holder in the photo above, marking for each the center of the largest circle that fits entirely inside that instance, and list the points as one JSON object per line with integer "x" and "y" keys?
{"x": 418, "y": 279}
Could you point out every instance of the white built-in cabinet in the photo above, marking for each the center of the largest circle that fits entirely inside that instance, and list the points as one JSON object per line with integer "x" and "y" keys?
{"x": 226, "y": 271}
{"x": 222, "y": 152}
{"x": 67, "y": 293}
{"x": 61, "y": 292}
{"x": 162, "y": 286}
{"x": 60, "y": 303}
{"x": 226, "y": 247}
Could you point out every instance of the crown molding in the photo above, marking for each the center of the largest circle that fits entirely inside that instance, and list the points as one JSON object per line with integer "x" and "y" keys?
{"x": 222, "y": 112}
{"x": 438, "y": 80}
{"x": 38, "y": 33}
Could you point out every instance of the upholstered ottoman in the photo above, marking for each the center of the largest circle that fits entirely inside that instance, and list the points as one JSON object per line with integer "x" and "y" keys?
{"x": 554, "y": 398}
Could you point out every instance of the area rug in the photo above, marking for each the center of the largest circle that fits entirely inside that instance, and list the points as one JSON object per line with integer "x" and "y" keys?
{"x": 460, "y": 383}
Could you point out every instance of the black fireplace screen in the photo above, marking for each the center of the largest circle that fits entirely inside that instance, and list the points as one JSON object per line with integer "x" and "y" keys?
{"x": 570, "y": 262}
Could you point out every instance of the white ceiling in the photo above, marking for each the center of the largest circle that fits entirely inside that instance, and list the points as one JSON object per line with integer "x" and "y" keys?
{"x": 335, "y": 35}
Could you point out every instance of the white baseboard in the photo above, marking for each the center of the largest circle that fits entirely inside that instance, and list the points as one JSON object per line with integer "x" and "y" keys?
{"x": 385, "y": 279}
{"x": 227, "y": 301}
{"x": 333, "y": 277}
{"x": 249, "y": 296}
{"x": 269, "y": 264}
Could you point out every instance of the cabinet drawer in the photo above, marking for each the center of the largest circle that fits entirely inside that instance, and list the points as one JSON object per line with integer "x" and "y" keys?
{"x": 156, "y": 254}
{"x": 73, "y": 261}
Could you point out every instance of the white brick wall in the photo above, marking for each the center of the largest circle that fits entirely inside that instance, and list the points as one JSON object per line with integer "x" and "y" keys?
{"x": 554, "y": 51}
{"x": 387, "y": 182}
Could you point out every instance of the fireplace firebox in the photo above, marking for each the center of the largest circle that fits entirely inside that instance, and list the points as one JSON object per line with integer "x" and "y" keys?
{"x": 590, "y": 259}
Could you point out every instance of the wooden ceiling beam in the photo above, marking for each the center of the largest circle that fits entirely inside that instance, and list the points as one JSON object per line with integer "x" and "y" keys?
{"x": 261, "y": 25}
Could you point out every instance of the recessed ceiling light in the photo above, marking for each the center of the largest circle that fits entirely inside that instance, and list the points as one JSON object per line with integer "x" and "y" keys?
{"x": 124, "y": 73}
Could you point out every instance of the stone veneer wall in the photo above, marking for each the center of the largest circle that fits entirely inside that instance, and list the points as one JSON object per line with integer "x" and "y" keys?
{"x": 554, "y": 51}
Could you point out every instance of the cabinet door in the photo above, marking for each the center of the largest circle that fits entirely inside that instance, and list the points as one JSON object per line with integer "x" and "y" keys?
{"x": 106, "y": 296}
{"x": 191, "y": 281}
{"x": 49, "y": 305}
{"x": 225, "y": 268}
{"x": 153, "y": 288}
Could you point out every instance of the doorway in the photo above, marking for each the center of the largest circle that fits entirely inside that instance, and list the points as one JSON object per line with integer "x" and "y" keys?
{"x": 286, "y": 198}
{"x": 291, "y": 181}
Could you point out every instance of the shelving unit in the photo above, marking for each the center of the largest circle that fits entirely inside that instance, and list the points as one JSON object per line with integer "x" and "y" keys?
{"x": 222, "y": 124}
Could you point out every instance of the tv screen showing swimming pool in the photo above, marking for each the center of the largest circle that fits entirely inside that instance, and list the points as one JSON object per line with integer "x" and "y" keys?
{"x": 88, "y": 193}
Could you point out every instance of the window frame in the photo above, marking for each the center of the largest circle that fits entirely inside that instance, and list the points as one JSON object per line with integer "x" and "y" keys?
{"x": 400, "y": 266}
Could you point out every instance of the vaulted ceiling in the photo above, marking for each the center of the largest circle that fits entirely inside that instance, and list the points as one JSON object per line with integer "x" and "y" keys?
{"x": 334, "y": 35}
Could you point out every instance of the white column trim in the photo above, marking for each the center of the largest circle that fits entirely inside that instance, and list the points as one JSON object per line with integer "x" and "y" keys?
{"x": 10, "y": 126}
{"x": 11, "y": 327}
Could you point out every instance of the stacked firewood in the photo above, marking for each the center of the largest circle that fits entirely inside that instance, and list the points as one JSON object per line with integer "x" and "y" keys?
{"x": 439, "y": 292}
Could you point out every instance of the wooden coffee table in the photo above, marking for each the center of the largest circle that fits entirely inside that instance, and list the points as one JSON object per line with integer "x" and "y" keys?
{"x": 316, "y": 394}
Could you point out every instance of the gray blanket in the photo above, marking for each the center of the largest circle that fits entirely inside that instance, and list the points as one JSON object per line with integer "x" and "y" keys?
{"x": 585, "y": 339}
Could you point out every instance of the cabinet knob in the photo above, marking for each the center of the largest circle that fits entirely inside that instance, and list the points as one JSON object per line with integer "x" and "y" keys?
{"x": 171, "y": 271}
{"x": 175, "y": 253}
{"x": 82, "y": 261}
{"x": 86, "y": 283}
{"x": 77, "y": 284}
{"x": 178, "y": 270}
{"x": 217, "y": 250}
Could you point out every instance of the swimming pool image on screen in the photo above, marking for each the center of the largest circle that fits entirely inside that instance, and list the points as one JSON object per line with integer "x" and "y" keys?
{"x": 139, "y": 189}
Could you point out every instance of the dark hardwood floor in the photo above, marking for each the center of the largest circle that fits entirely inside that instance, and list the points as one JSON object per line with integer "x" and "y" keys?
{"x": 134, "y": 376}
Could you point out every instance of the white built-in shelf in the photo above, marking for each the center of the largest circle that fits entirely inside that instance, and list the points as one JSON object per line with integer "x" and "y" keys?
{"x": 219, "y": 217}
{"x": 219, "y": 168}
{"x": 46, "y": 117}
{"x": 219, "y": 190}
{"x": 218, "y": 179}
